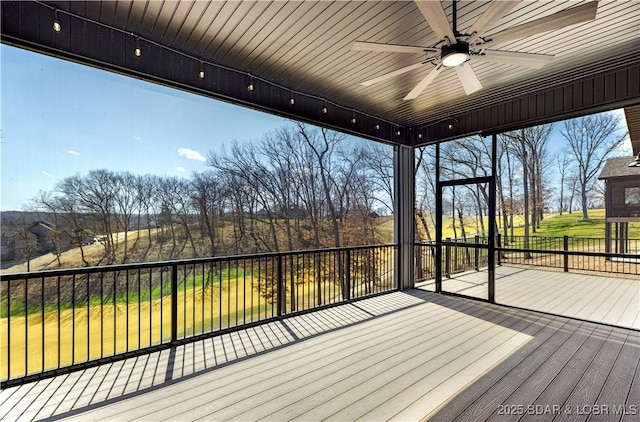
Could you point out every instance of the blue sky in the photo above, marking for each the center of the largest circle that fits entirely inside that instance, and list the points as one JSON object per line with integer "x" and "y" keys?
{"x": 59, "y": 118}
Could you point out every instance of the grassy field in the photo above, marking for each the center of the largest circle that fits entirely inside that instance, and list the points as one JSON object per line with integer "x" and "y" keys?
{"x": 94, "y": 329}
{"x": 471, "y": 226}
{"x": 553, "y": 225}
{"x": 90, "y": 332}
{"x": 572, "y": 225}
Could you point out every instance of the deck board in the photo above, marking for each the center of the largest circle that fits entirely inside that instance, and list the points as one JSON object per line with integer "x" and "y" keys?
{"x": 618, "y": 384}
{"x": 565, "y": 379}
{"x": 379, "y": 385}
{"x": 610, "y": 300}
{"x": 408, "y": 355}
{"x": 493, "y": 386}
{"x": 423, "y": 396}
{"x": 342, "y": 355}
{"x": 590, "y": 385}
{"x": 634, "y": 391}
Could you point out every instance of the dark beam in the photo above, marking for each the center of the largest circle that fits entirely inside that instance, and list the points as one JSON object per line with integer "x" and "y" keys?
{"x": 614, "y": 88}
{"x": 29, "y": 25}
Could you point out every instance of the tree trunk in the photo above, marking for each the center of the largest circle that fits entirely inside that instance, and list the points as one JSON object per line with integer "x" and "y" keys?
{"x": 525, "y": 188}
{"x": 583, "y": 197}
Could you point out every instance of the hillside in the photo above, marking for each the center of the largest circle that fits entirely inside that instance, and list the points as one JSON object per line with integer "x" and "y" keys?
{"x": 142, "y": 249}
{"x": 151, "y": 245}
{"x": 572, "y": 225}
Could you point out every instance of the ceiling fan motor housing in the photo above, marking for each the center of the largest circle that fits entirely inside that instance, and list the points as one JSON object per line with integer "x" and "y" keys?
{"x": 476, "y": 42}
{"x": 455, "y": 54}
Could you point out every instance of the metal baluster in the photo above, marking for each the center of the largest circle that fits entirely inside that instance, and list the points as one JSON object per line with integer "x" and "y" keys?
{"x": 88, "y": 280}
{"x": 101, "y": 314}
{"x": 126, "y": 307}
{"x": 42, "y": 322}
{"x": 26, "y": 326}
{"x": 174, "y": 302}
{"x": 73, "y": 319}
{"x": 202, "y": 330}
{"x": 59, "y": 319}
{"x": 9, "y": 329}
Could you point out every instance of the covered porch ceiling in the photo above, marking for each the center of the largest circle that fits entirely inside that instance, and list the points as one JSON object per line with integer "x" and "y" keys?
{"x": 303, "y": 50}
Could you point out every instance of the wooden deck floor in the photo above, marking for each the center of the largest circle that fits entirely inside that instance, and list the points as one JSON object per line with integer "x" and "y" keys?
{"x": 610, "y": 300}
{"x": 408, "y": 355}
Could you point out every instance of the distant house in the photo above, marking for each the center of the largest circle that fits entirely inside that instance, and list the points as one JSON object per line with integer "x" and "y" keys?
{"x": 7, "y": 248}
{"x": 44, "y": 232}
{"x": 621, "y": 176}
{"x": 47, "y": 234}
{"x": 18, "y": 244}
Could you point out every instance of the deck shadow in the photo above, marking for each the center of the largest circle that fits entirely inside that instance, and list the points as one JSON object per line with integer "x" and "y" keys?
{"x": 77, "y": 392}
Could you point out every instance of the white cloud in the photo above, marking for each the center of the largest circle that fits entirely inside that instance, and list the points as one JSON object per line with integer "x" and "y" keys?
{"x": 72, "y": 152}
{"x": 45, "y": 173}
{"x": 190, "y": 154}
{"x": 137, "y": 138}
{"x": 181, "y": 169}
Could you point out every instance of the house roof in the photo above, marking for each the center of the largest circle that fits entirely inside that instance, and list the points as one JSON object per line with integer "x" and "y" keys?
{"x": 632, "y": 115}
{"x": 619, "y": 167}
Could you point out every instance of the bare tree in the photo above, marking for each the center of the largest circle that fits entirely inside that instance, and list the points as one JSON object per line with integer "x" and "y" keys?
{"x": 244, "y": 163}
{"x": 323, "y": 145}
{"x": 539, "y": 163}
{"x": 379, "y": 160}
{"x": 207, "y": 198}
{"x": 591, "y": 139}
{"x": 563, "y": 162}
{"x": 529, "y": 146}
{"x": 77, "y": 221}
{"x": 425, "y": 190}
{"x": 177, "y": 194}
{"x": 93, "y": 194}
{"x": 25, "y": 240}
{"x": 48, "y": 204}
{"x": 511, "y": 177}
{"x": 126, "y": 203}
{"x": 503, "y": 165}
{"x": 146, "y": 187}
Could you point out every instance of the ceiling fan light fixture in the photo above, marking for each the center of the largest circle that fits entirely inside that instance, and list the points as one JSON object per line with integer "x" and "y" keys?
{"x": 455, "y": 54}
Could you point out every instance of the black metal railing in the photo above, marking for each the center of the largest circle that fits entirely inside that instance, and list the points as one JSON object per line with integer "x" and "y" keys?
{"x": 424, "y": 261}
{"x": 61, "y": 320}
{"x": 572, "y": 254}
{"x": 565, "y": 253}
{"x": 458, "y": 255}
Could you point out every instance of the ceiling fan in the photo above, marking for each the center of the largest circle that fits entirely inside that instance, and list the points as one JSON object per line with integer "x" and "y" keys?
{"x": 455, "y": 49}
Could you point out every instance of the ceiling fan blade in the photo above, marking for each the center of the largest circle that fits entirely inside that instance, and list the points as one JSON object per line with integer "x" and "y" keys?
{"x": 495, "y": 12}
{"x": 468, "y": 78}
{"x": 535, "y": 61}
{"x": 391, "y": 48}
{"x": 417, "y": 90}
{"x": 583, "y": 13}
{"x": 435, "y": 16}
{"x": 392, "y": 74}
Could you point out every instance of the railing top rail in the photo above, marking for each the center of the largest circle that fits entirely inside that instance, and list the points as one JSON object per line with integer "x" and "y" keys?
{"x": 569, "y": 252}
{"x": 535, "y": 236}
{"x": 163, "y": 264}
{"x": 519, "y": 237}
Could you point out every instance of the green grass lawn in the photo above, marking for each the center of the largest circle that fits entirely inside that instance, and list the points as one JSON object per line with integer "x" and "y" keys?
{"x": 572, "y": 225}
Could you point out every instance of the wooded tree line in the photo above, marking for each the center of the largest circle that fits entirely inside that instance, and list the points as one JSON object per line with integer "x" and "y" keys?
{"x": 301, "y": 187}
{"x": 298, "y": 187}
{"x": 526, "y": 176}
